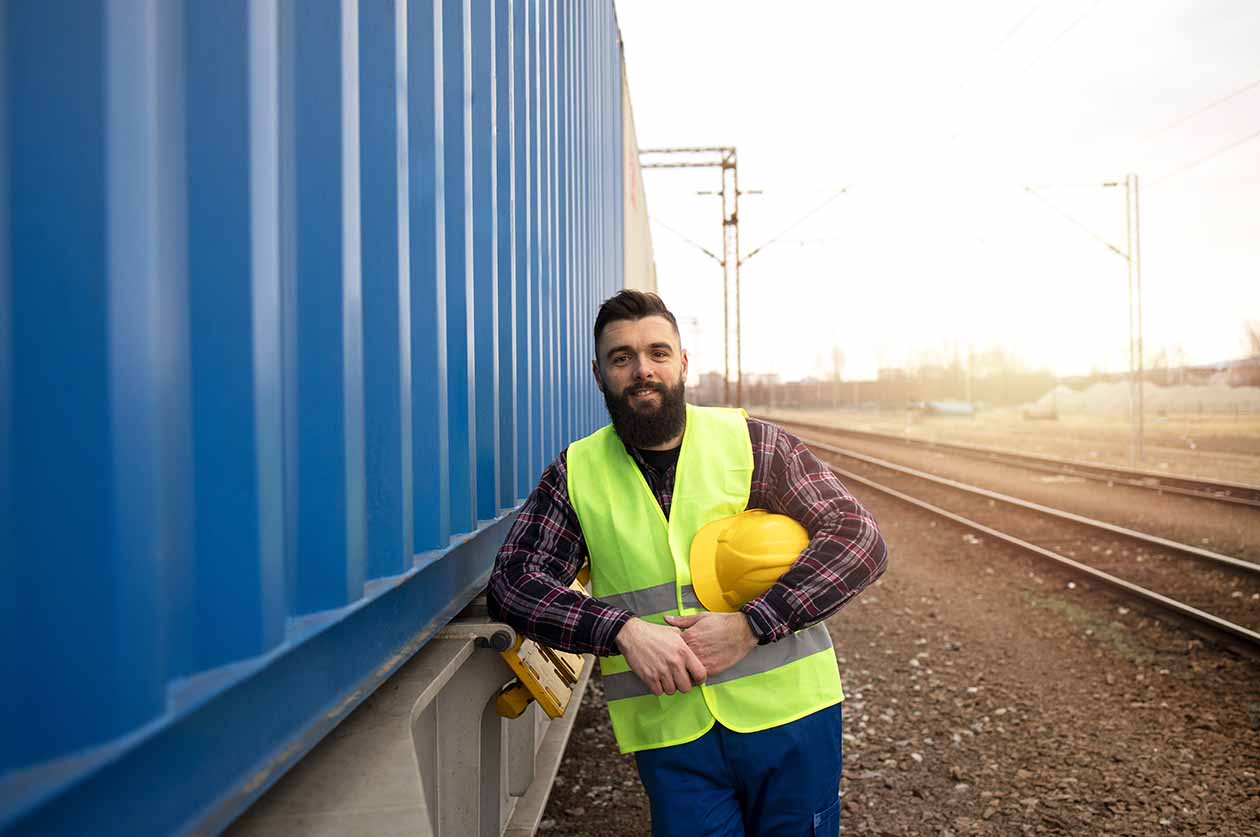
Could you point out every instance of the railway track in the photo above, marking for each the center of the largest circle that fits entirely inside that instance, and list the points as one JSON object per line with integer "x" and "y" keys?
{"x": 1219, "y": 592}
{"x": 1233, "y": 493}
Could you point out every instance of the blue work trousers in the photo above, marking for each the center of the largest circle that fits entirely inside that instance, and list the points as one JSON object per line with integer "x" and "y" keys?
{"x": 783, "y": 781}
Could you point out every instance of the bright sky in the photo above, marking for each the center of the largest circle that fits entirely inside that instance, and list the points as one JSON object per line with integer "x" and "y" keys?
{"x": 937, "y": 116}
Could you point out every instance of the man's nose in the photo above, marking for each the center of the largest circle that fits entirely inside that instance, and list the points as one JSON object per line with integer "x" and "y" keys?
{"x": 643, "y": 371}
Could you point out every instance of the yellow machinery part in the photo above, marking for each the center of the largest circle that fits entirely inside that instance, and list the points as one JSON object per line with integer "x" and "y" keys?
{"x": 544, "y": 674}
{"x": 513, "y": 700}
{"x": 535, "y": 667}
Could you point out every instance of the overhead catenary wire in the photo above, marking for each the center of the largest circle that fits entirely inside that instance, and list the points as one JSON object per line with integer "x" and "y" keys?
{"x": 819, "y": 208}
{"x": 1010, "y": 33}
{"x": 1063, "y": 34}
{"x": 1042, "y": 53}
{"x": 1014, "y": 30}
{"x": 1212, "y": 104}
{"x": 687, "y": 240}
{"x": 1199, "y": 161}
{"x": 1030, "y": 190}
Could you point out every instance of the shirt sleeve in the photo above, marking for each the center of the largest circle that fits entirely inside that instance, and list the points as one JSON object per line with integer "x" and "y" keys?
{"x": 846, "y": 552}
{"x": 542, "y": 554}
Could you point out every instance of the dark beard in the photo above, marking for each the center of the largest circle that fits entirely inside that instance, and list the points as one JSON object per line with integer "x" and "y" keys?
{"x": 649, "y": 426}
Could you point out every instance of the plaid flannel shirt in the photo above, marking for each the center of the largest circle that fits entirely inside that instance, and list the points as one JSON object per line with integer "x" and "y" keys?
{"x": 545, "y": 549}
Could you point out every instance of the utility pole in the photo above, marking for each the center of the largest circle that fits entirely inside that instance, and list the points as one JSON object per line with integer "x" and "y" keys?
{"x": 724, "y": 158}
{"x": 1135, "y": 264}
{"x": 1132, "y": 254}
{"x": 731, "y": 260}
{"x": 1137, "y": 371}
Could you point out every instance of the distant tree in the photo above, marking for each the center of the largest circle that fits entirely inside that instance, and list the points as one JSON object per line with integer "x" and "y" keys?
{"x": 1177, "y": 361}
{"x": 995, "y": 361}
{"x": 1158, "y": 365}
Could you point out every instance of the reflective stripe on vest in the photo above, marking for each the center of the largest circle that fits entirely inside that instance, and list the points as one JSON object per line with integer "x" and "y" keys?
{"x": 641, "y": 562}
{"x": 761, "y": 659}
{"x": 659, "y": 599}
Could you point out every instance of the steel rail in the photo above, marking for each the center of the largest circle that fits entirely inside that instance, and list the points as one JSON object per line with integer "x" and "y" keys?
{"x": 1154, "y": 540}
{"x": 1249, "y": 636}
{"x": 1223, "y": 491}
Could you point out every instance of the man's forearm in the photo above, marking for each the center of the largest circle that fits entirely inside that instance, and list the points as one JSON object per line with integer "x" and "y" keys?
{"x": 846, "y": 552}
{"x": 840, "y": 561}
{"x": 537, "y": 605}
{"x": 542, "y": 554}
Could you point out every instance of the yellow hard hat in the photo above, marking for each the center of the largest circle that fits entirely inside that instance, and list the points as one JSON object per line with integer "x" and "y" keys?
{"x": 737, "y": 558}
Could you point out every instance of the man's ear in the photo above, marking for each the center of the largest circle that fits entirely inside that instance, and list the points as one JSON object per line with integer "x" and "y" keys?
{"x": 599, "y": 381}
{"x": 684, "y": 365}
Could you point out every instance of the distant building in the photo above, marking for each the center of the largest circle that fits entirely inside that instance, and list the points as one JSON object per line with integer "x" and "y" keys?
{"x": 1244, "y": 372}
{"x": 709, "y": 391}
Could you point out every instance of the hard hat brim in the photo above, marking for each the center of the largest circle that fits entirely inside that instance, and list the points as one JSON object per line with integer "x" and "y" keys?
{"x": 704, "y": 565}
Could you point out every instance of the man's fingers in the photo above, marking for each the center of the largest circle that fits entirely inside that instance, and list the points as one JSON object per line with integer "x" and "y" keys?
{"x": 695, "y": 668}
{"x": 685, "y": 621}
{"x": 682, "y": 675}
{"x": 665, "y": 664}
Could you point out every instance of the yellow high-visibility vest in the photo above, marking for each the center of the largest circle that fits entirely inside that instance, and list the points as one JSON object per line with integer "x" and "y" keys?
{"x": 640, "y": 561}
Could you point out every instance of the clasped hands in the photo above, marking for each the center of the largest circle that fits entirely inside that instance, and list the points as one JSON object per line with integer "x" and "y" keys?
{"x": 673, "y": 658}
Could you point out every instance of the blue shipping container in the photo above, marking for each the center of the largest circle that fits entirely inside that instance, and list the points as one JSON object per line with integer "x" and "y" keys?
{"x": 295, "y": 300}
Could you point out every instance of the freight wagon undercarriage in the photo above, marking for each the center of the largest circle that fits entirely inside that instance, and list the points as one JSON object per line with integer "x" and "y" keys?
{"x": 428, "y": 754}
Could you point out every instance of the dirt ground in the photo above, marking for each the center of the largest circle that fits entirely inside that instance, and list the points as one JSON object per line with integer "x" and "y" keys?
{"x": 990, "y": 694}
{"x": 1224, "y": 447}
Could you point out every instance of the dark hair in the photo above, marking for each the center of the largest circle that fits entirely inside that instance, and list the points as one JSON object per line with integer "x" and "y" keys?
{"x": 630, "y": 304}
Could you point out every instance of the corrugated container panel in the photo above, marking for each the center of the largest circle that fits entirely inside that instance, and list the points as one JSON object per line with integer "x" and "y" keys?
{"x": 295, "y": 305}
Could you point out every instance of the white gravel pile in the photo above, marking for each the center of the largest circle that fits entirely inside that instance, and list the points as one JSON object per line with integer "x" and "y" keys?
{"x": 1113, "y": 399}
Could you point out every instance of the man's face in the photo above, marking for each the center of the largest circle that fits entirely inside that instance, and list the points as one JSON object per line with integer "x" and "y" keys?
{"x": 640, "y": 367}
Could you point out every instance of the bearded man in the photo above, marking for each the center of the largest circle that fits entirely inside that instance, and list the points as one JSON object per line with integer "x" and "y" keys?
{"x": 733, "y": 717}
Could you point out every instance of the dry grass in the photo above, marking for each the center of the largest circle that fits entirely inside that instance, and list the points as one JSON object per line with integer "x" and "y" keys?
{"x": 1223, "y": 447}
